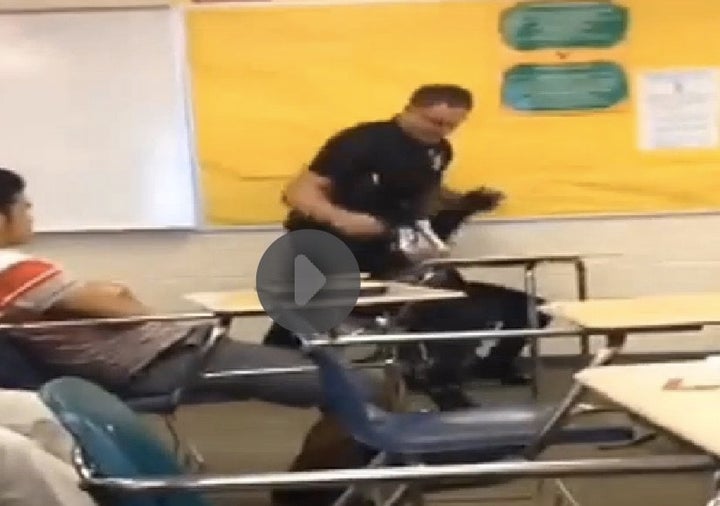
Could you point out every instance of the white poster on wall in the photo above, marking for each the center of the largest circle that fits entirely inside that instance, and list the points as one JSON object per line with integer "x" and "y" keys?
{"x": 679, "y": 109}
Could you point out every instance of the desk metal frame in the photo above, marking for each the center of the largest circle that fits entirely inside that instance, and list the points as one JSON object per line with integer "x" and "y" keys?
{"x": 666, "y": 464}
{"x": 408, "y": 478}
{"x": 615, "y": 339}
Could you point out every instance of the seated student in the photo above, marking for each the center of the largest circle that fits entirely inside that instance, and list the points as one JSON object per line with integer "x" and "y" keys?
{"x": 146, "y": 358}
{"x": 35, "y": 455}
{"x": 30, "y": 476}
{"x": 23, "y": 411}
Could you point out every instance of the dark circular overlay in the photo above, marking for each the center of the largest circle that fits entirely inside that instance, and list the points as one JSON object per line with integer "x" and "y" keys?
{"x": 308, "y": 281}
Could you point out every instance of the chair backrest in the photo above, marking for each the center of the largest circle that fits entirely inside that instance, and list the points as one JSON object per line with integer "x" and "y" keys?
{"x": 343, "y": 397}
{"x": 18, "y": 370}
{"x": 114, "y": 440}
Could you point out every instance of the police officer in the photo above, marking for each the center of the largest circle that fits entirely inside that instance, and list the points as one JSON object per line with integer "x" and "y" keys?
{"x": 368, "y": 179}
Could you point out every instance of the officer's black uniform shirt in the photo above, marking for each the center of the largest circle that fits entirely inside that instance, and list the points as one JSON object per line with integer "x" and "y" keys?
{"x": 377, "y": 168}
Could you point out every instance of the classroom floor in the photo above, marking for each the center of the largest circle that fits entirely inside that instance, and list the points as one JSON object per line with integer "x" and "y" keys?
{"x": 255, "y": 437}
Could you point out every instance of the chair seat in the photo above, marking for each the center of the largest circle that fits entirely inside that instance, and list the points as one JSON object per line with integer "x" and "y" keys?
{"x": 482, "y": 430}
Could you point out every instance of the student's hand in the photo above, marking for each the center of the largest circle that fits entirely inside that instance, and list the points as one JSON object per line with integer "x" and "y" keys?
{"x": 482, "y": 199}
{"x": 110, "y": 288}
{"x": 359, "y": 225}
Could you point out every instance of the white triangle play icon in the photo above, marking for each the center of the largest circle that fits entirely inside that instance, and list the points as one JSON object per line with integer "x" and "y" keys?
{"x": 308, "y": 280}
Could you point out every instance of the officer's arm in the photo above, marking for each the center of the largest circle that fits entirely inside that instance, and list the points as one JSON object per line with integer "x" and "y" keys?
{"x": 309, "y": 193}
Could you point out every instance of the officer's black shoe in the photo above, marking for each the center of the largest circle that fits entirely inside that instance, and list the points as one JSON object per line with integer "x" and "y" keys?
{"x": 450, "y": 397}
{"x": 490, "y": 368}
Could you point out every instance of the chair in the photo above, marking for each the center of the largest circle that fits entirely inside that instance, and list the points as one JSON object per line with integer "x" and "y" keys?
{"x": 474, "y": 435}
{"x": 449, "y": 436}
{"x": 113, "y": 442}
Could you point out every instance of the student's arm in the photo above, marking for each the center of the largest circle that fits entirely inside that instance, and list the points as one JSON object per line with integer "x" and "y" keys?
{"x": 443, "y": 198}
{"x": 42, "y": 289}
{"x": 310, "y": 192}
{"x": 98, "y": 300}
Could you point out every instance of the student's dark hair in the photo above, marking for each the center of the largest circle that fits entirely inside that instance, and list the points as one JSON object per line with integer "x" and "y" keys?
{"x": 434, "y": 94}
{"x": 11, "y": 186}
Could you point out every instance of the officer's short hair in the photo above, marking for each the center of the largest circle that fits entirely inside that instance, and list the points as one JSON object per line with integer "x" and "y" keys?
{"x": 434, "y": 94}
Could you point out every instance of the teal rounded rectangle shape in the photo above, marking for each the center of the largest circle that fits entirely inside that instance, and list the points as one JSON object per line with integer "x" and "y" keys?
{"x": 564, "y": 87}
{"x": 563, "y": 25}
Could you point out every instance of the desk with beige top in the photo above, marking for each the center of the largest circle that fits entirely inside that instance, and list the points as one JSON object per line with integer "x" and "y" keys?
{"x": 237, "y": 303}
{"x": 680, "y": 398}
{"x": 229, "y": 305}
{"x": 616, "y": 318}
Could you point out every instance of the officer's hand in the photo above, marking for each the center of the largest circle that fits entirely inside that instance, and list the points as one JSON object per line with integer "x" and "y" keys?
{"x": 360, "y": 225}
{"x": 482, "y": 199}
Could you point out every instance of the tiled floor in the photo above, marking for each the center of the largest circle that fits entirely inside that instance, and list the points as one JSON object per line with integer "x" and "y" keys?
{"x": 254, "y": 437}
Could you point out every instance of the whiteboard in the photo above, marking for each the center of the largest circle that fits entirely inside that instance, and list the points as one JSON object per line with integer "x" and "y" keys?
{"x": 94, "y": 115}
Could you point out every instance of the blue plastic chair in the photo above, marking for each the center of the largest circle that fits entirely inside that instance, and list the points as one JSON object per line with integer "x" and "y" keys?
{"x": 475, "y": 435}
{"x": 114, "y": 442}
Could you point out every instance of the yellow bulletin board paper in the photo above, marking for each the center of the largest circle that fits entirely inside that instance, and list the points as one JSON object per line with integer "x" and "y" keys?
{"x": 272, "y": 83}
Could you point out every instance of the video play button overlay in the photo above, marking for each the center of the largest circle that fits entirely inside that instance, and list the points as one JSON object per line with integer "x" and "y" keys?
{"x": 308, "y": 281}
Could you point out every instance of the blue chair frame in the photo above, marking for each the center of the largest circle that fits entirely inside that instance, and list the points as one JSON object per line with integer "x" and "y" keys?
{"x": 114, "y": 443}
{"x": 465, "y": 436}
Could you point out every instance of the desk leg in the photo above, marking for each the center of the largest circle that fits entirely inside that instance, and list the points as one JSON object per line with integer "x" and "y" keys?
{"x": 602, "y": 357}
{"x": 715, "y": 492}
{"x": 394, "y": 380}
{"x": 582, "y": 294}
{"x": 224, "y": 324}
{"x": 393, "y": 372}
{"x": 534, "y": 322}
